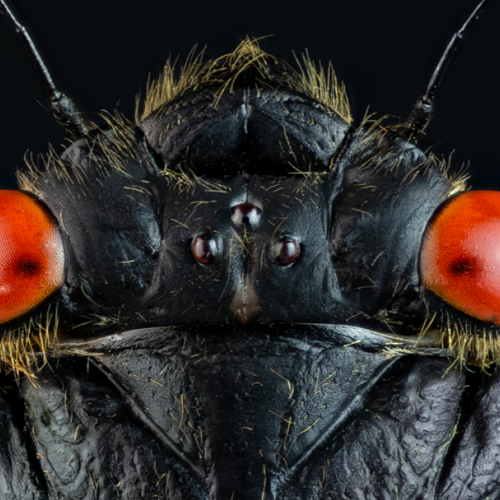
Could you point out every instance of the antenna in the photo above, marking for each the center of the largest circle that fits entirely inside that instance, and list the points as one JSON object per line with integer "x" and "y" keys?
{"x": 62, "y": 107}
{"x": 423, "y": 109}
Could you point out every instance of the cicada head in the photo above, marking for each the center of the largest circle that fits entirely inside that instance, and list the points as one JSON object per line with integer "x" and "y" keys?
{"x": 243, "y": 194}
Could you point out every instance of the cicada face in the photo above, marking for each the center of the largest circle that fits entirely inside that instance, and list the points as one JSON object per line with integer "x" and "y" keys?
{"x": 244, "y": 294}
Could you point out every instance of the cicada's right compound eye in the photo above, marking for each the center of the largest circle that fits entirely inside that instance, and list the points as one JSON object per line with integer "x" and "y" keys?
{"x": 460, "y": 256}
{"x": 32, "y": 258}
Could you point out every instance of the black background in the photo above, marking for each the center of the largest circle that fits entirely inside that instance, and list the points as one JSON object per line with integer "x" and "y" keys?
{"x": 101, "y": 52}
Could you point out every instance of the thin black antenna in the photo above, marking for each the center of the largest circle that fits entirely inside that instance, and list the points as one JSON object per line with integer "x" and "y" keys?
{"x": 423, "y": 109}
{"x": 63, "y": 108}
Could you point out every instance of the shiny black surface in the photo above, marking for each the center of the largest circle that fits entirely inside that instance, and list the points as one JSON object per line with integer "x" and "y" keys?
{"x": 268, "y": 402}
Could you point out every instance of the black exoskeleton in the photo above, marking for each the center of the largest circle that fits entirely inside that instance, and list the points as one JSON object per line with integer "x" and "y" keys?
{"x": 245, "y": 296}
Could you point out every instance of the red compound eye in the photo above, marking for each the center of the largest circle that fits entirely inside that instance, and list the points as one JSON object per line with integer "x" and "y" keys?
{"x": 31, "y": 254}
{"x": 460, "y": 255}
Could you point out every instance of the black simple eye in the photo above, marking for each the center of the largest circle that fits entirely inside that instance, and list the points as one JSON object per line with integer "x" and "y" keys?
{"x": 203, "y": 249}
{"x": 286, "y": 251}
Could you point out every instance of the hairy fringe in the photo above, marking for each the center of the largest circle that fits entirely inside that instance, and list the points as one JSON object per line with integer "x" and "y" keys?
{"x": 310, "y": 78}
{"x": 117, "y": 145}
{"x": 377, "y": 138}
{"x": 26, "y": 350}
{"x": 470, "y": 345}
{"x": 459, "y": 178}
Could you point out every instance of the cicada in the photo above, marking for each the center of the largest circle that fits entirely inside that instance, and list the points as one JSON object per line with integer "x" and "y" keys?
{"x": 243, "y": 294}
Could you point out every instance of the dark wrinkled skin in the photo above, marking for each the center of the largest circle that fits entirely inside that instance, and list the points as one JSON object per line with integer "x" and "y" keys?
{"x": 402, "y": 428}
{"x": 244, "y": 379}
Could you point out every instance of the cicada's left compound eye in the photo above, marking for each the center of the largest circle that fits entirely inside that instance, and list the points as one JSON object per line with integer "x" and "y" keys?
{"x": 460, "y": 255}
{"x": 31, "y": 254}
